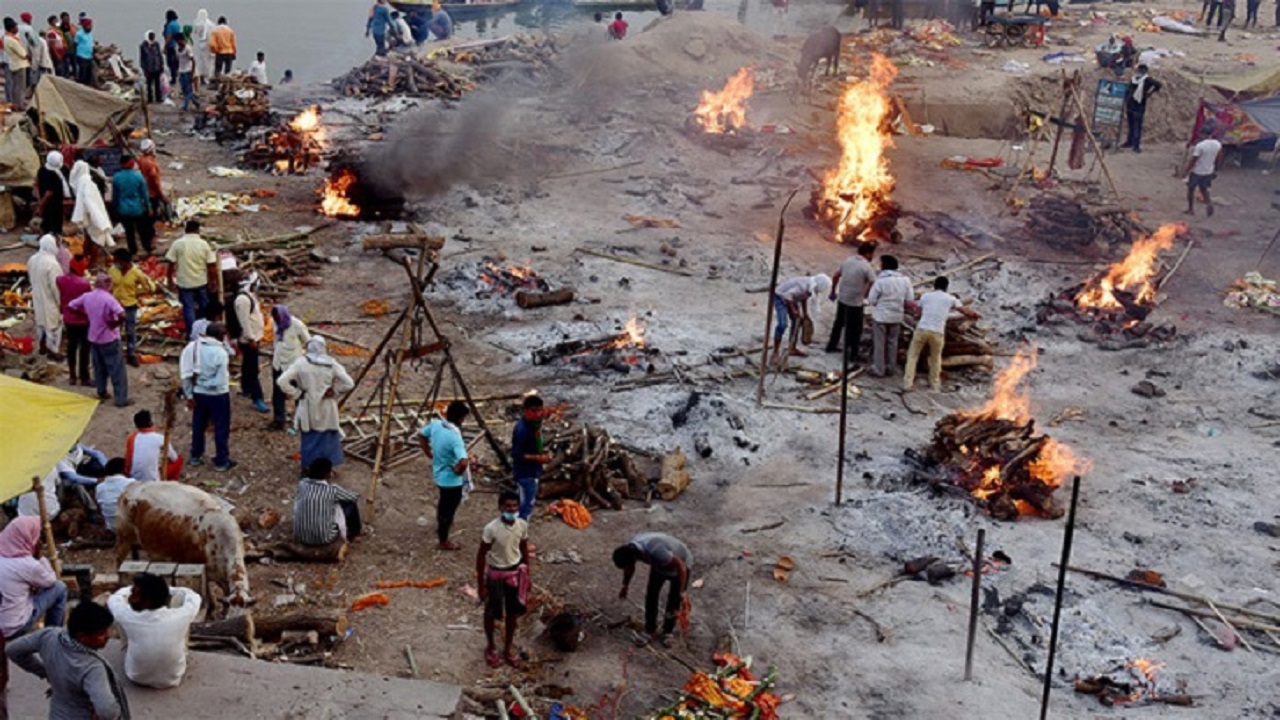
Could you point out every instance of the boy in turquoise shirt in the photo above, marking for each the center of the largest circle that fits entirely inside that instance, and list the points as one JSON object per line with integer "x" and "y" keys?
{"x": 441, "y": 440}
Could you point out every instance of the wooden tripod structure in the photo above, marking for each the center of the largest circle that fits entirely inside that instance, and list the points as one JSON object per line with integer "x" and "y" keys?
{"x": 388, "y": 447}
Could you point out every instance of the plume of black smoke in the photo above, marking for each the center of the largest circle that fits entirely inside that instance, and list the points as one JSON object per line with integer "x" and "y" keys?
{"x": 430, "y": 151}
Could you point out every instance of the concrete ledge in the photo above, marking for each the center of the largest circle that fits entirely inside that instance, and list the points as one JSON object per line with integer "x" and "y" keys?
{"x": 219, "y": 686}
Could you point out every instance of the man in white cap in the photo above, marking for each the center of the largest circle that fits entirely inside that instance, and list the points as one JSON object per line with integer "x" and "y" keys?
{"x": 249, "y": 327}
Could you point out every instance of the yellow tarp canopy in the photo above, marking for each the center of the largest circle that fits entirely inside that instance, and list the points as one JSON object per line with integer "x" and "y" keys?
{"x": 1256, "y": 82}
{"x": 37, "y": 426}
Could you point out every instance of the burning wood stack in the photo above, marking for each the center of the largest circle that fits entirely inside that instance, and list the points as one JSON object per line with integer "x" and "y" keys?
{"x": 385, "y": 76}
{"x": 1070, "y": 224}
{"x": 854, "y": 198}
{"x": 1116, "y": 303}
{"x": 621, "y": 351}
{"x": 994, "y": 454}
{"x": 587, "y": 465}
{"x": 293, "y": 147}
{"x": 242, "y": 101}
{"x": 352, "y": 191}
{"x": 1133, "y": 683}
{"x": 720, "y": 120}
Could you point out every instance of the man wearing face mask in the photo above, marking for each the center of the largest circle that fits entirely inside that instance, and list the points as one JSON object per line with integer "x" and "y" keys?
{"x": 528, "y": 454}
{"x": 502, "y": 575}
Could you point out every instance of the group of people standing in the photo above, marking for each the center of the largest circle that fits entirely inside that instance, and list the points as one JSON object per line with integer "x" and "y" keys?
{"x": 61, "y": 48}
{"x": 891, "y": 296}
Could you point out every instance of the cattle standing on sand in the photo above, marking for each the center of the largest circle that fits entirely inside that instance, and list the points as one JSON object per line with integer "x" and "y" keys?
{"x": 179, "y": 523}
{"x": 821, "y": 45}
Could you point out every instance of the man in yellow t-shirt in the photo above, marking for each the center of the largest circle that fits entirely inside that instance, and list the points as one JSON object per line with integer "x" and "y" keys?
{"x": 193, "y": 267}
{"x": 127, "y": 282}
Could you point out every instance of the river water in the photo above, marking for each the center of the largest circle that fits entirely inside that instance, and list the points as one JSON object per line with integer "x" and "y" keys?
{"x": 322, "y": 39}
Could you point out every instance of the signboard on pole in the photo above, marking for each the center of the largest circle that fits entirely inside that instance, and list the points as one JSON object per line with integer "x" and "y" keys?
{"x": 1108, "y": 111}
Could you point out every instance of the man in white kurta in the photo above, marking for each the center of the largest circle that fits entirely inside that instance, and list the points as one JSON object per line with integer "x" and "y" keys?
{"x": 314, "y": 381}
{"x": 154, "y": 620}
{"x": 43, "y": 271}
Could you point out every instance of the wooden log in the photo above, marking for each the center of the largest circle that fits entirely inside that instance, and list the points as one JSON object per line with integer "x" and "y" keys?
{"x": 674, "y": 476}
{"x": 247, "y": 627}
{"x": 967, "y": 360}
{"x": 527, "y": 300}
{"x": 334, "y": 552}
{"x": 388, "y": 241}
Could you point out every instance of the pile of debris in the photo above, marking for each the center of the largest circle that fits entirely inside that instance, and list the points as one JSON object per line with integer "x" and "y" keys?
{"x": 1131, "y": 683}
{"x": 730, "y": 691}
{"x": 589, "y": 466}
{"x": 1069, "y": 224}
{"x": 1115, "y": 303}
{"x": 242, "y": 101}
{"x": 386, "y": 76}
{"x": 994, "y": 455}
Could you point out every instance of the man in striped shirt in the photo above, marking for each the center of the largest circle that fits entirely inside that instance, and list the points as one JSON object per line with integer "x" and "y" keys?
{"x": 324, "y": 513}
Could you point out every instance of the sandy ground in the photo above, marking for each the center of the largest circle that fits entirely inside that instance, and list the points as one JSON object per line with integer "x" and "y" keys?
{"x": 814, "y": 629}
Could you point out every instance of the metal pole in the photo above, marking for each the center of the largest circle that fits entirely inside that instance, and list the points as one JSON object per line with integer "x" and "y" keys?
{"x": 974, "y": 599}
{"x": 1057, "y": 602}
{"x": 773, "y": 285}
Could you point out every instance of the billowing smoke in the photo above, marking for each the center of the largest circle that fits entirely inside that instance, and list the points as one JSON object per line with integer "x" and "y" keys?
{"x": 435, "y": 149}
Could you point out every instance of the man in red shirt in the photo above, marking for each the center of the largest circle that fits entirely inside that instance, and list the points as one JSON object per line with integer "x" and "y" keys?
{"x": 618, "y": 28}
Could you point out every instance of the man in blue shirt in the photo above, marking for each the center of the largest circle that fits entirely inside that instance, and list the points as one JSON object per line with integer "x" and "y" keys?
{"x": 133, "y": 205}
{"x": 441, "y": 440}
{"x": 84, "y": 53}
{"x": 207, "y": 387}
{"x": 379, "y": 21}
{"x": 172, "y": 31}
{"x": 528, "y": 454}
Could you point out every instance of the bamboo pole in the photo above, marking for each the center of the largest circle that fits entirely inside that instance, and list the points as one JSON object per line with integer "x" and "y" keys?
{"x": 170, "y": 413}
{"x": 1093, "y": 140}
{"x": 385, "y": 428}
{"x": 1174, "y": 593}
{"x": 1062, "y": 120}
{"x": 368, "y": 365}
{"x": 50, "y": 546}
{"x": 773, "y": 285}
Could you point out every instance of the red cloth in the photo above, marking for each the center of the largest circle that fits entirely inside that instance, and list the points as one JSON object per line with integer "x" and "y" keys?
{"x": 71, "y": 287}
{"x": 517, "y": 578}
{"x": 618, "y": 29}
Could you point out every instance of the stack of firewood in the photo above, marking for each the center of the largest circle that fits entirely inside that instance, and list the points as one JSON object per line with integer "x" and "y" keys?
{"x": 108, "y": 71}
{"x": 386, "y": 76}
{"x": 966, "y": 345}
{"x": 530, "y": 54}
{"x": 1070, "y": 224}
{"x": 991, "y": 458}
{"x": 242, "y": 101}
{"x": 587, "y": 465}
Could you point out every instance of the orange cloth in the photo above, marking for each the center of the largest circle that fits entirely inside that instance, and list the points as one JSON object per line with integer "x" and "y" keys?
{"x": 369, "y": 600}
{"x": 151, "y": 173}
{"x": 222, "y": 41}
{"x": 574, "y": 513}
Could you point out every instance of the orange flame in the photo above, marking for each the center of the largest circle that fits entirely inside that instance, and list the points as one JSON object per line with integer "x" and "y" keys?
{"x": 1057, "y": 462}
{"x": 633, "y": 332}
{"x": 307, "y": 122}
{"x": 1133, "y": 274}
{"x": 1006, "y": 402}
{"x": 726, "y": 110}
{"x": 334, "y": 201}
{"x": 853, "y": 192}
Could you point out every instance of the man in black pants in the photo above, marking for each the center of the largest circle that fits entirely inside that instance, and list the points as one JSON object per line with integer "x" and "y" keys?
{"x": 441, "y": 440}
{"x": 669, "y": 561}
{"x": 849, "y": 287}
{"x": 1141, "y": 87}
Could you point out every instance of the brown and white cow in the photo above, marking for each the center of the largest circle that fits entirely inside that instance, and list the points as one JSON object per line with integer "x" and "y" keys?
{"x": 178, "y": 523}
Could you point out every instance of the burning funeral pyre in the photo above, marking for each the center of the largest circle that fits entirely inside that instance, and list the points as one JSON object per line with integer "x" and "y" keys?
{"x": 1117, "y": 302}
{"x": 994, "y": 454}
{"x": 854, "y": 197}
{"x": 621, "y": 351}
{"x": 725, "y": 111}
{"x": 292, "y": 147}
{"x": 352, "y": 192}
